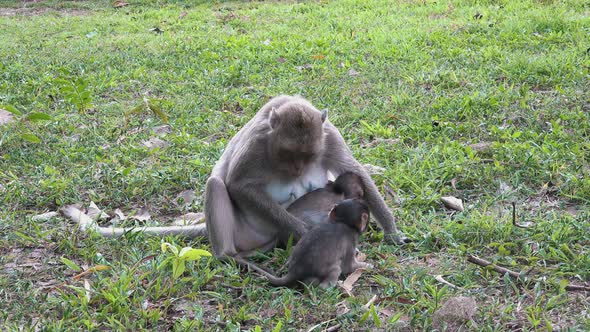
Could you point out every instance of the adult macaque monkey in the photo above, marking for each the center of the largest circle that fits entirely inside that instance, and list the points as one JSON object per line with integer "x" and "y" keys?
{"x": 326, "y": 251}
{"x": 285, "y": 151}
{"x": 315, "y": 206}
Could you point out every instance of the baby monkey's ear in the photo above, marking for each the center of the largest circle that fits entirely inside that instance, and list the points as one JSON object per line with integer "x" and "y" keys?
{"x": 364, "y": 222}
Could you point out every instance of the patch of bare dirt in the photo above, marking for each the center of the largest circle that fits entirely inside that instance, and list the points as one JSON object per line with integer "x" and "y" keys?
{"x": 35, "y": 11}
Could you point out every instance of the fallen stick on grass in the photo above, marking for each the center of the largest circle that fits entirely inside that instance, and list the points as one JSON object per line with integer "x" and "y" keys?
{"x": 86, "y": 223}
{"x": 499, "y": 269}
{"x": 502, "y": 270}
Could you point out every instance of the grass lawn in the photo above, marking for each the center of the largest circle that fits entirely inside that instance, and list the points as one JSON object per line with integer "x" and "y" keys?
{"x": 130, "y": 107}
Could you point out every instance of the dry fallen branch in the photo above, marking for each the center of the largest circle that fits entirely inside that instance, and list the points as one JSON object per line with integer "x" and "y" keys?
{"x": 574, "y": 288}
{"x": 499, "y": 269}
{"x": 86, "y": 223}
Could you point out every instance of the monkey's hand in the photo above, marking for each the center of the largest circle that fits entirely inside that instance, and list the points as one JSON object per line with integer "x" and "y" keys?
{"x": 397, "y": 238}
{"x": 299, "y": 229}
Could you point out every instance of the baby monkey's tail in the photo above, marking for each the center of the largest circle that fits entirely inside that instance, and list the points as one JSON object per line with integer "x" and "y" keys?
{"x": 287, "y": 280}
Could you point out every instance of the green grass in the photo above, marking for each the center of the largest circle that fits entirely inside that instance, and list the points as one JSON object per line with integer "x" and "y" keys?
{"x": 436, "y": 76}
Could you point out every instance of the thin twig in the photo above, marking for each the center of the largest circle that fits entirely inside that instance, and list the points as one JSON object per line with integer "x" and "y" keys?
{"x": 320, "y": 324}
{"x": 439, "y": 278}
{"x": 371, "y": 301}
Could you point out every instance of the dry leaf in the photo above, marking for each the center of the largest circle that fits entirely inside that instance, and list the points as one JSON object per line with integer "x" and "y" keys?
{"x": 379, "y": 141}
{"x": 5, "y": 117}
{"x": 162, "y": 130}
{"x": 187, "y": 197}
{"x": 142, "y": 215}
{"x": 190, "y": 218}
{"x": 281, "y": 60}
{"x": 91, "y": 271}
{"x": 318, "y": 57}
{"x": 386, "y": 312}
{"x": 526, "y": 224}
{"x": 45, "y": 216}
{"x": 452, "y": 203}
{"x": 348, "y": 283}
{"x": 95, "y": 213}
{"x": 353, "y": 72}
{"x": 182, "y": 15}
{"x": 155, "y": 143}
{"x": 119, "y": 4}
{"x": 304, "y": 67}
{"x": 374, "y": 170}
{"x": 120, "y": 214}
{"x": 481, "y": 147}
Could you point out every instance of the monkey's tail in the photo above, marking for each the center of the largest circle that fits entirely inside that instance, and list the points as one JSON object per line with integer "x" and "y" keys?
{"x": 287, "y": 280}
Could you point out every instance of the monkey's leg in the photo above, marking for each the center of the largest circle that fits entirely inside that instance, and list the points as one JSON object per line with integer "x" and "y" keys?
{"x": 229, "y": 232}
{"x": 332, "y": 277}
{"x": 220, "y": 218}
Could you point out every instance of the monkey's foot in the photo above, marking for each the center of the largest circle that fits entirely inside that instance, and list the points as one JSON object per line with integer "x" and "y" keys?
{"x": 397, "y": 238}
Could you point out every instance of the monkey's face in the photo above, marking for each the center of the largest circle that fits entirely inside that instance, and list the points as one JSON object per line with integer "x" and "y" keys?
{"x": 296, "y": 138}
{"x": 294, "y": 159}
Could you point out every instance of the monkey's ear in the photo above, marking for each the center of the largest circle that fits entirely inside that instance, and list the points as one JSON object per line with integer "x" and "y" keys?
{"x": 324, "y": 114}
{"x": 364, "y": 221}
{"x": 274, "y": 118}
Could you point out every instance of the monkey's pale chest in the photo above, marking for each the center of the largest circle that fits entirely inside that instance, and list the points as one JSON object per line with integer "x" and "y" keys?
{"x": 286, "y": 193}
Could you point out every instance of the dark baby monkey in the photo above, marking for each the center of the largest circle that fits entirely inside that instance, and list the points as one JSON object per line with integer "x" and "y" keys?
{"x": 314, "y": 207}
{"x": 327, "y": 251}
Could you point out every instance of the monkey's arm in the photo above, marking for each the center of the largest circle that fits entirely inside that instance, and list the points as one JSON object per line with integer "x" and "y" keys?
{"x": 339, "y": 159}
{"x": 253, "y": 198}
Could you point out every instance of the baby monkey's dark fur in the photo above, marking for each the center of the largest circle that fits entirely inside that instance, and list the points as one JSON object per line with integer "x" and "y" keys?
{"x": 326, "y": 251}
{"x": 314, "y": 207}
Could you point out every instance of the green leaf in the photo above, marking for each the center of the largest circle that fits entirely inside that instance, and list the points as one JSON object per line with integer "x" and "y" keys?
{"x": 166, "y": 245}
{"x": 38, "y": 116}
{"x": 31, "y": 138}
{"x": 190, "y": 254}
{"x": 278, "y": 327}
{"x": 10, "y": 109}
{"x": 70, "y": 264}
{"x": 178, "y": 268}
{"x": 376, "y": 319}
